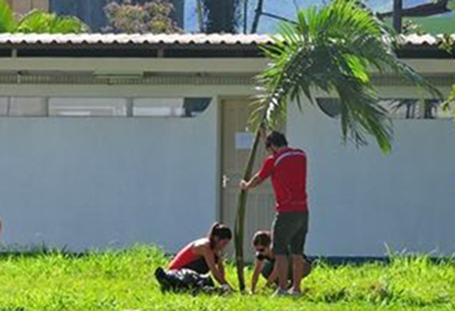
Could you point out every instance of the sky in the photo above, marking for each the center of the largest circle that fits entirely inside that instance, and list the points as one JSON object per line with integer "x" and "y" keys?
{"x": 286, "y": 8}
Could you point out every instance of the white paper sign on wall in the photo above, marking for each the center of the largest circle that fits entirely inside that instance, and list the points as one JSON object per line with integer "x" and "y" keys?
{"x": 243, "y": 140}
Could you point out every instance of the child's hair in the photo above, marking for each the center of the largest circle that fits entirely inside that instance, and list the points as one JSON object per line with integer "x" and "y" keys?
{"x": 222, "y": 232}
{"x": 262, "y": 238}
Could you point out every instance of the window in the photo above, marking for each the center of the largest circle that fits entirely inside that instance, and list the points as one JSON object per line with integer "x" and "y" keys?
{"x": 411, "y": 108}
{"x": 27, "y": 107}
{"x": 398, "y": 108}
{"x": 87, "y": 107}
{"x": 103, "y": 107}
{"x": 4, "y": 103}
{"x": 170, "y": 107}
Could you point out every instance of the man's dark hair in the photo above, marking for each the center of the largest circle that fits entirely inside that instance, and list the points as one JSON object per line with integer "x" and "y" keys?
{"x": 262, "y": 238}
{"x": 276, "y": 139}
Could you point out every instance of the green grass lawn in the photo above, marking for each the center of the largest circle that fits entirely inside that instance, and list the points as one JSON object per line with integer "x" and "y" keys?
{"x": 123, "y": 281}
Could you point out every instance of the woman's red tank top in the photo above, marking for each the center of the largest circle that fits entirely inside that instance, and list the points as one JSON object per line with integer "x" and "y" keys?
{"x": 184, "y": 257}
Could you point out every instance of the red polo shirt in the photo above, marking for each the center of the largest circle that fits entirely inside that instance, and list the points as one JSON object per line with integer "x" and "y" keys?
{"x": 287, "y": 169}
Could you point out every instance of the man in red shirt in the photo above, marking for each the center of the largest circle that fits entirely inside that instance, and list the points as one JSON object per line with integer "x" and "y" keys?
{"x": 287, "y": 169}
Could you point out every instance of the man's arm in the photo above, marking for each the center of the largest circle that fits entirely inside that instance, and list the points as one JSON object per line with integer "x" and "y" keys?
{"x": 252, "y": 183}
{"x": 264, "y": 173}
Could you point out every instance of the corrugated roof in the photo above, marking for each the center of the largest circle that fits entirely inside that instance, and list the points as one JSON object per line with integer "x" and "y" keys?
{"x": 169, "y": 39}
{"x": 417, "y": 40}
{"x": 133, "y": 39}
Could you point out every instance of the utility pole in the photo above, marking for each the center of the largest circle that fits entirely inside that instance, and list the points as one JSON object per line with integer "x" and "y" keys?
{"x": 245, "y": 16}
{"x": 397, "y": 15}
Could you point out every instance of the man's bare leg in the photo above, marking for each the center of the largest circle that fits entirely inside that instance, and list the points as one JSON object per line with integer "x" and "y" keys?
{"x": 306, "y": 269}
{"x": 297, "y": 273}
{"x": 282, "y": 266}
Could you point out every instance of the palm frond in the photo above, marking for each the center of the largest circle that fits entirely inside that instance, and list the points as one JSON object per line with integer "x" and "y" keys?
{"x": 449, "y": 104}
{"x": 333, "y": 49}
{"x": 34, "y": 22}
{"x": 69, "y": 24}
{"x": 7, "y": 20}
{"x": 42, "y": 22}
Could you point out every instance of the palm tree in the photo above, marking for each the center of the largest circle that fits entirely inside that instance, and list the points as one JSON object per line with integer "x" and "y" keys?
{"x": 39, "y": 22}
{"x": 331, "y": 49}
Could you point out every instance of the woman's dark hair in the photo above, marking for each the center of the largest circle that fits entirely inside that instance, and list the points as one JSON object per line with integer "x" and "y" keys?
{"x": 276, "y": 139}
{"x": 262, "y": 238}
{"x": 222, "y": 232}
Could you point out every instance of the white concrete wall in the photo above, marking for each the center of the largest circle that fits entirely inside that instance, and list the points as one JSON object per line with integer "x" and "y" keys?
{"x": 362, "y": 200}
{"x": 94, "y": 182}
{"x": 91, "y": 182}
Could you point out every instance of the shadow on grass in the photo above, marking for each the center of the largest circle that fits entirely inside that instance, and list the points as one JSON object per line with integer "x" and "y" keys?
{"x": 39, "y": 251}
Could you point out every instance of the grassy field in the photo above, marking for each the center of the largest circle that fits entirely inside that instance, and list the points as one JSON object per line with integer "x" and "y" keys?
{"x": 123, "y": 281}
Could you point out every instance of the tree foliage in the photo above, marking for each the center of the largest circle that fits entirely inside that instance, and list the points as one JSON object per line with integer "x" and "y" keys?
{"x": 37, "y": 21}
{"x": 42, "y": 22}
{"x": 151, "y": 17}
{"x": 7, "y": 21}
{"x": 333, "y": 49}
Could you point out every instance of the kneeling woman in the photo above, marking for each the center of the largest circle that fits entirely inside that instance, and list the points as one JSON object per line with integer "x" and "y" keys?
{"x": 201, "y": 256}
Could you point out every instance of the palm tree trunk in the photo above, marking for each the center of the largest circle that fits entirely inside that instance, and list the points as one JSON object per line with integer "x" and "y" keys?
{"x": 239, "y": 230}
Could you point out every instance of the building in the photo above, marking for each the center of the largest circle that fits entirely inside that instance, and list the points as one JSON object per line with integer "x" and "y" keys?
{"x": 110, "y": 140}
{"x": 92, "y": 11}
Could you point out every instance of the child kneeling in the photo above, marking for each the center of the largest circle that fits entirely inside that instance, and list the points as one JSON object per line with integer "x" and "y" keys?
{"x": 265, "y": 261}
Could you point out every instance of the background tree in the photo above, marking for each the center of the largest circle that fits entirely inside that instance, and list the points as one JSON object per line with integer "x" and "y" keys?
{"x": 151, "y": 17}
{"x": 217, "y": 16}
{"x": 39, "y": 22}
{"x": 427, "y": 15}
{"x": 331, "y": 49}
